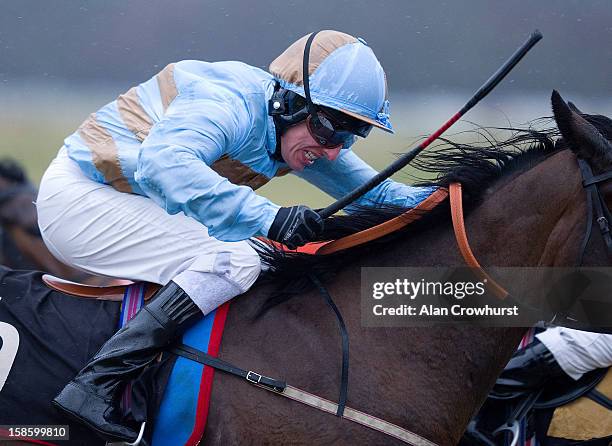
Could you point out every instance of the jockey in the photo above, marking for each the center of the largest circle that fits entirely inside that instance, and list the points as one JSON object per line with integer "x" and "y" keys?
{"x": 159, "y": 186}
{"x": 556, "y": 357}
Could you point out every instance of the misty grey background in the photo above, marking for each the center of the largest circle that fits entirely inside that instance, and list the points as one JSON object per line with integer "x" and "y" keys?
{"x": 427, "y": 45}
{"x": 61, "y": 60}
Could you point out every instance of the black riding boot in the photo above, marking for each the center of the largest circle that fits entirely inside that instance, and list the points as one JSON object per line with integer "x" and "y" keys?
{"x": 92, "y": 396}
{"x": 527, "y": 370}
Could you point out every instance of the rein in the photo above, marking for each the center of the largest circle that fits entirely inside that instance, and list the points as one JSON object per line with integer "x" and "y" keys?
{"x": 456, "y": 200}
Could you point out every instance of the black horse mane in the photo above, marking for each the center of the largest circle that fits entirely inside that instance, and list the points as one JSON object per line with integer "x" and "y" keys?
{"x": 476, "y": 165}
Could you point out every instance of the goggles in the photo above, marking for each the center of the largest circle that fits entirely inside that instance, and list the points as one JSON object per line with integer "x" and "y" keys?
{"x": 331, "y": 128}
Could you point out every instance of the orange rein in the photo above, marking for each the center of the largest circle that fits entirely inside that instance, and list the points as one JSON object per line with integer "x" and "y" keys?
{"x": 456, "y": 200}
{"x": 401, "y": 221}
{"x": 375, "y": 232}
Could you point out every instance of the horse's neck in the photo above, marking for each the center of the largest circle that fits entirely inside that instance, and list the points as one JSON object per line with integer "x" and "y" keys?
{"x": 429, "y": 380}
{"x": 530, "y": 219}
{"x": 535, "y": 218}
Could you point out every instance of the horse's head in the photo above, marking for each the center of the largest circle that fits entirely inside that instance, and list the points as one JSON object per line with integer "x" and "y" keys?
{"x": 18, "y": 222}
{"x": 16, "y": 196}
{"x": 588, "y": 136}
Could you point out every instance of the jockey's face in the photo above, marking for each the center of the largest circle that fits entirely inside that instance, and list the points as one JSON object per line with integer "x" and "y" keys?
{"x": 299, "y": 149}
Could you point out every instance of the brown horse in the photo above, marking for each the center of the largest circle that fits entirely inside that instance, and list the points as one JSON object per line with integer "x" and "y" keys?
{"x": 528, "y": 209}
{"x": 525, "y": 206}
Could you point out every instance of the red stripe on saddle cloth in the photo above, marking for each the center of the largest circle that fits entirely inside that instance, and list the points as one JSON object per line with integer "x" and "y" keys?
{"x": 373, "y": 233}
{"x": 207, "y": 377}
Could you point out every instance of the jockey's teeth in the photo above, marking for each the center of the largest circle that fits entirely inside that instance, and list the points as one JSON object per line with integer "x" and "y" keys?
{"x": 311, "y": 156}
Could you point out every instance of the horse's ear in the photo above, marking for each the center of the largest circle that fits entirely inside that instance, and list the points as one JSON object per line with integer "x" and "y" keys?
{"x": 581, "y": 136}
{"x": 574, "y": 108}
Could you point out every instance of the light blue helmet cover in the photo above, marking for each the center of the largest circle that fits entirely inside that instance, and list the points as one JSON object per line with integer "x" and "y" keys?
{"x": 349, "y": 79}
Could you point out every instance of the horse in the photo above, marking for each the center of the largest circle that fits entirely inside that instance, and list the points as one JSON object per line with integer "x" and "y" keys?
{"x": 21, "y": 244}
{"x": 525, "y": 206}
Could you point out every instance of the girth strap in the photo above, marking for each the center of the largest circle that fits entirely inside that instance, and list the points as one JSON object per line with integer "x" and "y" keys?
{"x": 281, "y": 388}
{"x": 206, "y": 359}
{"x": 357, "y": 416}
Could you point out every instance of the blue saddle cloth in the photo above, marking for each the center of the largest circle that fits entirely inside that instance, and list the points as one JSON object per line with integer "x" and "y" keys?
{"x": 181, "y": 418}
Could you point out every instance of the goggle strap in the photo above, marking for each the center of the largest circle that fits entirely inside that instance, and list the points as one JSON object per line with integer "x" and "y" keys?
{"x": 305, "y": 74}
{"x": 312, "y": 108}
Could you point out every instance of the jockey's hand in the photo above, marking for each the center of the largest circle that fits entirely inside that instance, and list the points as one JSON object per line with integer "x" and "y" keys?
{"x": 529, "y": 369}
{"x": 295, "y": 226}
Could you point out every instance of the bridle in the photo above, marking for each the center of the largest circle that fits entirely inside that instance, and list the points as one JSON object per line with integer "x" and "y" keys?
{"x": 596, "y": 202}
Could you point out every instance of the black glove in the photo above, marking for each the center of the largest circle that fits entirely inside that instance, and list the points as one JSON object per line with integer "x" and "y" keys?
{"x": 529, "y": 369}
{"x": 295, "y": 226}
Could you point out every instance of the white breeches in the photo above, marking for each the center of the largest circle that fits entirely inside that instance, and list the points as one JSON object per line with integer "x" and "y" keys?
{"x": 576, "y": 351}
{"x": 100, "y": 230}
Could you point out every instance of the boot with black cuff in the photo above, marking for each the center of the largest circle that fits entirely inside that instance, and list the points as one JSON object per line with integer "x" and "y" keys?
{"x": 92, "y": 397}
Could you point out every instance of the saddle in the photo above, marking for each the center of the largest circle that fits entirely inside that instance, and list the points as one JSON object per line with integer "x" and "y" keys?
{"x": 108, "y": 292}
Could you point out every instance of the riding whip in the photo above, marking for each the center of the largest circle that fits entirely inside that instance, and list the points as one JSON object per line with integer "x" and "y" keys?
{"x": 401, "y": 162}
